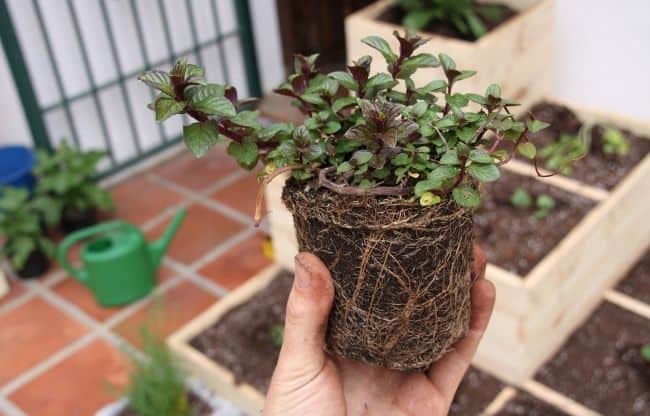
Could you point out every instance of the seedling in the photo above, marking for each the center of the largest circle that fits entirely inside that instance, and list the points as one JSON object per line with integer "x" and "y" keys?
{"x": 277, "y": 335}
{"x": 645, "y": 353}
{"x": 560, "y": 155}
{"x": 466, "y": 16}
{"x": 521, "y": 199}
{"x": 614, "y": 142}
{"x": 20, "y": 227}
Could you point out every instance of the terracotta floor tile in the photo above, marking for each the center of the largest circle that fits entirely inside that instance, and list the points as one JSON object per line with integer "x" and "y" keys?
{"x": 77, "y": 386}
{"x": 198, "y": 174}
{"x": 16, "y": 289}
{"x": 76, "y": 293}
{"x": 238, "y": 264}
{"x": 139, "y": 199}
{"x": 168, "y": 313}
{"x": 30, "y": 333}
{"x": 201, "y": 231}
{"x": 240, "y": 195}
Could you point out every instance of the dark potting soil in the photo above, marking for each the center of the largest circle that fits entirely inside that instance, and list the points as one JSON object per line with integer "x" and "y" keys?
{"x": 36, "y": 265}
{"x": 241, "y": 340}
{"x": 637, "y": 282}
{"x": 198, "y": 406}
{"x": 475, "y": 393}
{"x": 523, "y": 404}
{"x": 513, "y": 238}
{"x": 596, "y": 168}
{"x": 395, "y": 14}
{"x": 72, "y": 220}
{"x": 600, "y": 365}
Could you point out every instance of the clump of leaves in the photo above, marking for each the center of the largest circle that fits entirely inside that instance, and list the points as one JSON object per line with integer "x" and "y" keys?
{"x": 614, "y": 143}
{"x": 559, "y": 155}
{"x": 156, "y": 382}
{"x": 364, "y": 134}
{"x": 20, "y": 227}
{"x": 467, "y": 16}
{"x": 66, "y": 178}
{"x": 276, "y": 332}
{"x": 522, "y": 199}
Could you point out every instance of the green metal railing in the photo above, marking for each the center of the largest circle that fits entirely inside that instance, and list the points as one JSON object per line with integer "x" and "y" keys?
{"x": 35, "y": 113}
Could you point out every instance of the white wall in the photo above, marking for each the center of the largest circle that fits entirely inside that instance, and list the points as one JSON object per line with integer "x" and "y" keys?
{"x": 602, "y": 57}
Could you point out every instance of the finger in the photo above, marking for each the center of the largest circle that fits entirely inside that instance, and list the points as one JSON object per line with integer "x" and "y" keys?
{"x": 447, "y": 373}
{"x": 307, "y": 310}
{"x": 480, "y": 263}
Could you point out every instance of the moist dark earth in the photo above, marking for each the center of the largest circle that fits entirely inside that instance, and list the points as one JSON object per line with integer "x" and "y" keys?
{"x": 198, "y": 406}
{"x": 596, "y": 168}
{"x": 477, "y": 390}
{"x": 600, "y": 365}
{"x": 511, "y": 237}
{"x": 241, "y": 340}
{"x": 395, "y": 15}
{"x": 637, "y": 282}
{"x": 523, "y": 404}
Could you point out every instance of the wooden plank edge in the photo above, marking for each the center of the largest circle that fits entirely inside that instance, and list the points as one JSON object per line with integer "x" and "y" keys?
{"x": 507, "y": 394}
{"x": 628, "y": 303}
{"x": 557, "y": 399}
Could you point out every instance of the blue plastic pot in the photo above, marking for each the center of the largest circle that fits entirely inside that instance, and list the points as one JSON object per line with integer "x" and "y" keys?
{"x": 16, "y": 164}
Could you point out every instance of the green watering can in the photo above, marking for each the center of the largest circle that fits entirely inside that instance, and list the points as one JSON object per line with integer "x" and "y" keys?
{"x": 119, "y": 264}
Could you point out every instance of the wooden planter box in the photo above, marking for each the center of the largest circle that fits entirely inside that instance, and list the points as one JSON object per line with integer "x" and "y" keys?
{"x": 517, "y": 54}
{"x": 535, "y": 313}
{"x": 216, "y": 377}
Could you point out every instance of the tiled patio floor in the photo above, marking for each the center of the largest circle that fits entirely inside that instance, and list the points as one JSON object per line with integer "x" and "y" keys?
{"x": 60, "y": 352}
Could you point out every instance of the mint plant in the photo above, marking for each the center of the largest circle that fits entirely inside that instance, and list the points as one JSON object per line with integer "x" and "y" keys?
{"x": 467, "y": 16}
{"x": 20, "y": 227}
{"x": 67, "y": 179}
{"x": 522, "y": 199}
{"x": 364, "y": 134}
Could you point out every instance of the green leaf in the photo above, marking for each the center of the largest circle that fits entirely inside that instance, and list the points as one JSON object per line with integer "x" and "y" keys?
{"x": 245, "y": 153}
{"x": 433, "y": 86}
{"x": 480, "y": 156}
{"x": 645, "y": 352}
{"x": 201, "y": 92}
{"x": 361, "y": 157}
{"x": 341, "y": 103}
{"x": 545, "y": 202}
{"x": 381, "y": 81}
{"x": 479, "y": 99}
{"x": 401, "y": 159}
{"x": 450, "y": 158}
{"x": 247, "y": 119}
{"x": 443, "y": 174}
{"x": 277, "y": 335}
{"x": 446, "y": 61}
{"x": 345, "y": 79}
{"x": 535, "y": 125}
{"x": 466, "y": 134}
{"x": 344, "y": 167}
{"x": 464, "y": 75}
{"x": 382, "y": 46}
{"x": 423, "y": 60}
{"x": 200, "y": 137}
{"x": 167, "y": 107}
{"x": 521, "y": 199}
{"x": 527, "y": 150}
{"x": 312, "y": 98}
{"x": 425, "y": 185}
{"x": 493, "y": 90}
{"x": 213, "y": 105}
{"x": 159, "y": 80}
{"x": 332, "y": 127}
{"x": 484, "y": 172}
{"x": 466, "y": 196}
{"x": 428, "y": 199}
{"x": 418, "y": 19}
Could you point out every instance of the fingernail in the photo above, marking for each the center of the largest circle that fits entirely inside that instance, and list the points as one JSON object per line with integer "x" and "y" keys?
{"x": 303, "y": 274}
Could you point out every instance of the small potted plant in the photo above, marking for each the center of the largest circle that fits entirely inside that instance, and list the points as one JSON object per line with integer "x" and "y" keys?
{"x": 25, "y": 246}
{"x": 157, "y": 387}
{"x": 67, "y": 176}
{"x": 478, "y": 34}
{"x": 383, "y": 184}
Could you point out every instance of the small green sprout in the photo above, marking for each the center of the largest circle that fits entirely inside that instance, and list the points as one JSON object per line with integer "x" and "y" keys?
{"x": 277, "y": 335}
{"x": 428, "y": 199}
{"x": 615, "y": 143}
{"x": 522, "y": 199}
{"x": 559, "y": 155}
{"x": 645, "y": 352}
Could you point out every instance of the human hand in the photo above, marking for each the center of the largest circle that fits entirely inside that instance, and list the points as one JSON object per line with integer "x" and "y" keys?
{"x": 308, "y": 382}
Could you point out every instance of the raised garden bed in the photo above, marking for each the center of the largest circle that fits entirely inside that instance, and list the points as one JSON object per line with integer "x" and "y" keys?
{"x": 637, "y": 282}
{"x": 549, "y": 290}
{"x": 600, "y": 367}
{"x": 525, "y": 38}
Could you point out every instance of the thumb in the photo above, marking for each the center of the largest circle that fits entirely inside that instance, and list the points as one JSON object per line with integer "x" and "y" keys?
{"x": 302, "y": 355}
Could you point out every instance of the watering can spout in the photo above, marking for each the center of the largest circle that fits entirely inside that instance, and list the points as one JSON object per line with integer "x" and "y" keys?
{"x": 160, "y": 246}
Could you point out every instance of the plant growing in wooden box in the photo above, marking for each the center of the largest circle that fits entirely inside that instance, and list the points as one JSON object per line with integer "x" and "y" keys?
{"x": 382, "y": 189}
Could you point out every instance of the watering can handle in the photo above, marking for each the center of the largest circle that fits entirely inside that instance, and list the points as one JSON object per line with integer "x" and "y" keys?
{"x": 77, "y": 236}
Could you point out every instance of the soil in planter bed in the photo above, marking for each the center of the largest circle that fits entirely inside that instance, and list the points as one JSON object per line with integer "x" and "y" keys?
{"x": 241, "y": 340}
{"x": 600, "y": 367}
{"x": 511, "y": 237}
{"x": 477, "y": 390}
{"x": 395, "y": 14}
{"x": 637, "y": 282}
{"x": 198, "y": 406}
{"x": 524, "y": 404}
{"x": 36, "y": 265}
{"x": 596, "y": 168}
